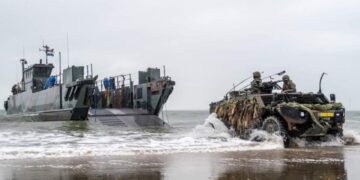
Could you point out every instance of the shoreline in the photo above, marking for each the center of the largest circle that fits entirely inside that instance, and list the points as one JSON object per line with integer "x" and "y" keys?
{"x": 297, "y": 163}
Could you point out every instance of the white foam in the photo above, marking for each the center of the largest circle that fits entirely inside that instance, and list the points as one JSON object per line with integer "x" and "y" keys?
{"x": 331, "y": 141}
{"x": 349, "y": 133}
{"x": 212, "y": 136}
{"x": 266, "y": 137}
{"x": 212, "y": 127}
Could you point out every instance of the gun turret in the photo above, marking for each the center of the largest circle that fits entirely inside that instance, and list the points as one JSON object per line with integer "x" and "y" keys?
{"x": 268, "y": 87}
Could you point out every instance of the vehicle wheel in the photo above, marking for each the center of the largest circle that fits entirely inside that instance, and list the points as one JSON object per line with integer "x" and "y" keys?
{"x": 273, "y": 125}
{"x": 337, "y": 133}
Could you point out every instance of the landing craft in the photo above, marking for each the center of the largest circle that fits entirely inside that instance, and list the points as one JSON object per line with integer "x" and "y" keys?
{"x": 121, "y": 101}
{"x": 45, "y": 97}
{"x": 311, "y": 116}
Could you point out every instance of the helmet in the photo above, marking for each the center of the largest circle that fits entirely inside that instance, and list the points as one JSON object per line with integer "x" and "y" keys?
{"x": 286, "y": 78}
{"x": 257, "y": 74}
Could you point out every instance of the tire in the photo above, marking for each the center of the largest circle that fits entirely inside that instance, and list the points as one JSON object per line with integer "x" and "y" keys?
{"x": 337, "y": 133}
{"x": 273, "y": 125}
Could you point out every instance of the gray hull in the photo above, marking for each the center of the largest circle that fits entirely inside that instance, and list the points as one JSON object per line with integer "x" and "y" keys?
{"x": 29, "y": 103}
{"x": 46, "y": 106}
{"x": 58, "y": 115}
{"x": 132, "y": 118}
{"x": 69, "y": 100}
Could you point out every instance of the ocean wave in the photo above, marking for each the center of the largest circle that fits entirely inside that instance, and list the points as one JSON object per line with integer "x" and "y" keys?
{"x": 212, "y": 136}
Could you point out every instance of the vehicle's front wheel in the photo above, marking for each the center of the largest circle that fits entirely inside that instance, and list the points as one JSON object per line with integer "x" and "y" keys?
{"x": 273, "y": 125}
{"x": 337, "y": 132}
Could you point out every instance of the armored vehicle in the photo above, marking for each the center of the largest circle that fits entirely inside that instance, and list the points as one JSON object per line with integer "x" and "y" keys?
{"x": 45, "y": 97}
{"x": 123, "y": 101}
{"x": 304, "y": 115}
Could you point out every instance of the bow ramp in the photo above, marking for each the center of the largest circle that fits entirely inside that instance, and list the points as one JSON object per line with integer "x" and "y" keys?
{"x": 126, "y": 118}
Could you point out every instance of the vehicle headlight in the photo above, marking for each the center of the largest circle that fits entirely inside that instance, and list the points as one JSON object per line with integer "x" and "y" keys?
{"x": 302, "y": 114}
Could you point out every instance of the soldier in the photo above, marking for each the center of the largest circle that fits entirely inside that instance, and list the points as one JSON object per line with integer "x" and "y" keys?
{"x": 289, "y": 86}
{"x": 256, "y": 84}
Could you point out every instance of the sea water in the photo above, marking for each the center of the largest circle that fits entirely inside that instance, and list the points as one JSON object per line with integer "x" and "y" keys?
{"x": 191, "y": 132}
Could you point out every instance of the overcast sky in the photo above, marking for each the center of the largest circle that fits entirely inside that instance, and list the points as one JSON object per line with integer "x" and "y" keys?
{"x": 206, "y": 45}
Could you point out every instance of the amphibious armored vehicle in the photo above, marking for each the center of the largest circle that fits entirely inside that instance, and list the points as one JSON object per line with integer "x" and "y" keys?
{"x": 304, "y": 115}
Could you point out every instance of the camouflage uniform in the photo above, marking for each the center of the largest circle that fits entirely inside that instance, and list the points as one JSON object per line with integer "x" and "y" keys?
{"x": 256, "y": 84}
{"x": 289, "y": 85}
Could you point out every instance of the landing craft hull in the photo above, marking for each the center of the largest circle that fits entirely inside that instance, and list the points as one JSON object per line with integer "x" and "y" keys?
{"x": 58, "y": 115}
{"x": 45, "y": 106}
{"x": 30, "y": 103}
{"x": 52, "y": 104}
{"x": 132, "y": 118}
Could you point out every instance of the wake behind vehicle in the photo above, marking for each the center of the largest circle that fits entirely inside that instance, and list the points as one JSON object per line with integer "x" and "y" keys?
{"x": 292, "y": 115}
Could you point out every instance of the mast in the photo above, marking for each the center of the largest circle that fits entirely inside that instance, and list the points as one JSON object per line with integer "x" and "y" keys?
{"x": 23, "y": 62}
{"x": 48, "y": 52}
{"x": 60, "y": 84}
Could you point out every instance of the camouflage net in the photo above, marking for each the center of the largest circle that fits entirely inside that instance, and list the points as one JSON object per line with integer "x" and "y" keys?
{"x": 245, "y": 115}
{"x": 326, "y": 107}
{"x": 242, "y": 115}
{"x": 316, "y": 107}
{"x": 305, "y": 107}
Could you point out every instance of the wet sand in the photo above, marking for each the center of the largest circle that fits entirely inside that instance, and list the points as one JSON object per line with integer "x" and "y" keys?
{"x": 302, "y": 163}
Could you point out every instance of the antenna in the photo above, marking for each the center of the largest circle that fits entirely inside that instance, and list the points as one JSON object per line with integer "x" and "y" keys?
{"x": 48, "y": 52}
{"x": 92, "y": 73}
{"x": 164, "y": 70}
{"x": 60, "y": 83}
{"x": 238, "y": 84}
{"x": 67, "y": 49}
{"x": 320, "y": 83}
{"x": 23, "y": 62}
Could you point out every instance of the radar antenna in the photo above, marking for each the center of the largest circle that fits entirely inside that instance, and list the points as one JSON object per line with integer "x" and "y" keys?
{"x": 48, "y": 52}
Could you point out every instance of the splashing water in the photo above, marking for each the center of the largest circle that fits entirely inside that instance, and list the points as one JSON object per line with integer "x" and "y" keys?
{"x": 350, "y": 137}
{"x": 212, "y": 127}
{"x": 266, "y": 137}
{"x": 331, "y": 141}
{"x": 95, "y": 140}
{"x": 352, "y": 134}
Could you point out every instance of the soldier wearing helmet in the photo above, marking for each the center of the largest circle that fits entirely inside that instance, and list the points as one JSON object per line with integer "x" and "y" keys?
{"x": 289, "y": 86}
{"x": 256, "y": 84}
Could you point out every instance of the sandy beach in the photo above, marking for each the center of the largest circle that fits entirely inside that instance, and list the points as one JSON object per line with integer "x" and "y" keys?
{"x": 310, "y": 163}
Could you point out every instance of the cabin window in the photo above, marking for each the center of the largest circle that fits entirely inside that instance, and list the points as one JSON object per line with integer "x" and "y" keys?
{"x": 42, "y": 72}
